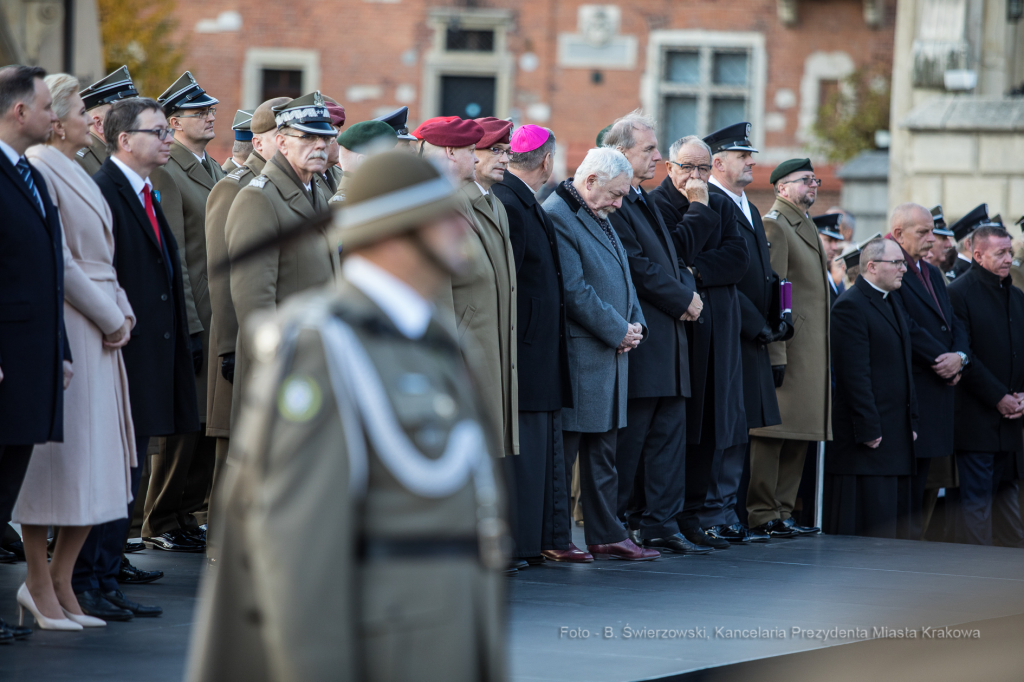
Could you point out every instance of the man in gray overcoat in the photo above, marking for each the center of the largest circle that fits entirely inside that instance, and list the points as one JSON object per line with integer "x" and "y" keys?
{"x": 605, "y": 322}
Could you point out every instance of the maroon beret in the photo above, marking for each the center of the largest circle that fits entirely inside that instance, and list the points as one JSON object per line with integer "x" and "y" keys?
{"x": 457, "y": 133}
{"x": 496, "y": 131}
{"x": 337, "y": 113}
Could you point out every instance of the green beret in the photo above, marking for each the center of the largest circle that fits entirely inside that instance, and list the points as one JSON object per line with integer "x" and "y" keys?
{"x": 600, "y": 135}
{"x": 362, "y": 134}
{"x": 791, "y": 166}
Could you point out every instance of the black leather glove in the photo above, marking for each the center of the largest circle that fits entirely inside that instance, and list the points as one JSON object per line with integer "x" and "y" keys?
{"x": 197, "y": 352}
{"x": 766, "y": 335}
{"x": 227, "y": 367}
{"x": 778, "y": 374}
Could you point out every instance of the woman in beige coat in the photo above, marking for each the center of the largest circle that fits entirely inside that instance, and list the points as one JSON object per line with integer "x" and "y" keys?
{"x": 86, "y": 479}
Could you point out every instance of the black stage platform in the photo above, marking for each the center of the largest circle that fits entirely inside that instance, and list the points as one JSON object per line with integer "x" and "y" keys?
{"x": 815, "y": 584}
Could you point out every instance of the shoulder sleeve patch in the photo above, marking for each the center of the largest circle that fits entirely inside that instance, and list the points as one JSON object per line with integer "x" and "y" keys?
{"x": 336, "y": 199}
{"x": 259, "y": 182}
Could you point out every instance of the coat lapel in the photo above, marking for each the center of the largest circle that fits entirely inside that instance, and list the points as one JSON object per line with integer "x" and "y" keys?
{"x": 132, "y": 200}
{"x": 650, "y": 210}
{"x": 19, "y": 182}
{"x": 883, "y": 307}
{"x": 911, "y": 282}
{"x": 289, "y": 187}
{"x": 190, "y": 164}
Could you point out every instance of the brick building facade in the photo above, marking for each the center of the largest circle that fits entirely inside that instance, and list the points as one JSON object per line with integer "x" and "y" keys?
{"x": 573, "y": 67}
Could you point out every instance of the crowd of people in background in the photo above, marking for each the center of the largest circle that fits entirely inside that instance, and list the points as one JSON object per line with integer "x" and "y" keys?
{"x": 656, "y": 365}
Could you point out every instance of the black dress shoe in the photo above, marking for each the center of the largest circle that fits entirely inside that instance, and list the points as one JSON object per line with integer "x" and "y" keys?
{"x": 702, "y": 539}
{"x": 175, "y": 541}
{"x": 7, "y": 557}
{"x": 16, "y": 549}
{"x": 117, "y": 598}
{"x": 736, "y": 533}
{"x": 93, "y": 604}
{"x": 130, "y": 575}
{"x": 517, "y": 564}
{"x": 197, "y": 535}
{"x": 130, "y": 547}
{"x": 800, "y": 530}
{"x": 634, "y": 537}
{"x": 775, "y": 529}
{"x": 535, "y": 560}
{"x": 757, "y": 535}
{"x": 676, "y": 544}
{"x": 17, "y": 631}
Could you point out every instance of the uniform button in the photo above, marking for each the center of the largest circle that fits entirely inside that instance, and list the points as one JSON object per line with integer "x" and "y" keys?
{"x": 167, "y": 335}
{"x": 163, "y": 297}
{"x": 943, "y": 329}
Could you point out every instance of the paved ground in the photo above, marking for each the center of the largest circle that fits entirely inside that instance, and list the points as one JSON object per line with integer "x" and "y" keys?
{"x": 812, "y": 583}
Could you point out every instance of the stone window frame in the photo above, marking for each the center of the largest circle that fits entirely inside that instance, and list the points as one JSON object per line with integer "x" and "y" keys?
{"x": 259, "y": 58}
{"x": 654, "y": 89}
{"x": 438, "y": 61}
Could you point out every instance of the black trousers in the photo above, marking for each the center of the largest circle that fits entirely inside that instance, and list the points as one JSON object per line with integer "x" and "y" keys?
{"x": 726, "y": 471}
{"x": 989, "y": 506}
{"x": 650, "y": 458}
{"x": 599, "y": 483}
{"x": 13, "y": 465}
{"x": 99, "y": 561}
{"x": 539, "y": 505}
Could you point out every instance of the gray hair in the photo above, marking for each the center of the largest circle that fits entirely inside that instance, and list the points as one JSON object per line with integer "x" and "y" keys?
{"x": 531, "y": 160}
{"x": 620, "y": 135}
{"x": 605, "y": 164}
{"x": 62, "y": 88}
{"x": 683, "y": 141}
{"x": 873, "y": 250}
{"x": 241, "y": 147}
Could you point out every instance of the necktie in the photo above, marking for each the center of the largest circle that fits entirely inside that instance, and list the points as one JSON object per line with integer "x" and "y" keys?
{"x": 26, "y": 174}
{"x": 148, "y": 197}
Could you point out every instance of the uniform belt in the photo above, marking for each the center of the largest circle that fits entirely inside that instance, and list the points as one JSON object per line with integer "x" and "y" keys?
{"x": 418, "y": 548}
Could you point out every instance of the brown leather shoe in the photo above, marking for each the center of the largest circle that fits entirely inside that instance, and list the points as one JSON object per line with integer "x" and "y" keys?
{"x": 573, "y": 555}
{"x": 625, "y": 550}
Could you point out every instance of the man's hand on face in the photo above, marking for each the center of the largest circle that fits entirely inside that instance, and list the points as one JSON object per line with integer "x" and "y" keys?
{"x": 696, "y": 191}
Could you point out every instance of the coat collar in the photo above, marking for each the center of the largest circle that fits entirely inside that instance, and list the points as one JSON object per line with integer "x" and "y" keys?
{"x": 987, "y": 278}
{"x": 190, "y": 164}
{"x": 129, "y": 196}
{"x": 287, "y": 183}
{"x": 875, "y": 297}
{"x": 256, "y": 163}
{"x": 584, "y": 217}
{"x": 803, "y": 225}
{"x": 73, "y": 176}
{"x": 519, "y": 188}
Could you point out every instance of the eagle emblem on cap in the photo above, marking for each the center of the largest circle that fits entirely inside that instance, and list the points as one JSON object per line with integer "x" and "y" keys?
{"x": 318, "y": 99}
{"x": 748, "y": 129}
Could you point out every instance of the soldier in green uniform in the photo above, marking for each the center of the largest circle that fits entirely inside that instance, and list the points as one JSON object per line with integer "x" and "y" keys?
{"x": 363, "y": 523}
{"x": 182, "y": 468}
{"x": 242, "y": 147}
{"x": 223, "y": 323}
{"x": 288, "y": 192}
{"x": 353, "y": 146}
{"x": 98, "y": 97}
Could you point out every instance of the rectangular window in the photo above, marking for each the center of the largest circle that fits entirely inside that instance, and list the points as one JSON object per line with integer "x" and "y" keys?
{"x": 474, "y": 40}
{"x": 467, "y": 96}
{"x": 703, "y": 89}
{"x": 281, "y": 83}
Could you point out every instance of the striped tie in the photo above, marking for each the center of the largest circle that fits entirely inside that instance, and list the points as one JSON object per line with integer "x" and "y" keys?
{"x": 26, "y": 174}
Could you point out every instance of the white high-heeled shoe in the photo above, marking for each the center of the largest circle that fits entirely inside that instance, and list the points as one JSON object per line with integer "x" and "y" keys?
{"x": 25, "y": 601}
{"x": 83, "y": 620}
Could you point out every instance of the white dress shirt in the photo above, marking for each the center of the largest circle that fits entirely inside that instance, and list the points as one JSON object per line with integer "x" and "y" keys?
{"x": 9, "y": 151}
{"x": 407, "y": 309}
{"x": 739, "y": 199}
{"x": 134, "y": 179}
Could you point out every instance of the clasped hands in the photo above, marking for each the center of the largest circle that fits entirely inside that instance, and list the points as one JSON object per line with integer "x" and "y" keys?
{"x": 948, "y": 366}
{"x": 693, "y": 310}
{"x": 1011, "y": 406}
{"x": 632, "y": 339}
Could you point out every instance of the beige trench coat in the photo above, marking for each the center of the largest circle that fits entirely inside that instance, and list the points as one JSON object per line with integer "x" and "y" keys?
{"x": 805, "y": 397}
{"x": 85, "y": 480}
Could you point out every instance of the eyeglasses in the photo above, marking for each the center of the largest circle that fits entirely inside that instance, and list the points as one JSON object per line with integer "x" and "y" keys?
{"x": 900, "y": 264}
{"x": 306, "y": 137}
{"x": 810, "y": 182}
{"x": 498, "y": 151}
{"x": 687, "y": 168}
{"x": 162, "y": 133}
{"x": 212, "y": 111}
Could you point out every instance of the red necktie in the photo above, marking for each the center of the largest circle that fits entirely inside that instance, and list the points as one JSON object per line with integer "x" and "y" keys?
{"x": 148, "y": 196}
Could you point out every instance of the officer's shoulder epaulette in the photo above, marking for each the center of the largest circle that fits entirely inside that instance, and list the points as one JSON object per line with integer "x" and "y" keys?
{"x": 81, "y": 152}
{"x": 336, "y": 199}
{"x": 771, "y": 215}
{"x": 239, "y": 172}
{"x": 259, "y": 181}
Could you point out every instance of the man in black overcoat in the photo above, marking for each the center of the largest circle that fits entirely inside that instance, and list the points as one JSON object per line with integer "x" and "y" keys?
{"x": 870, "y": 461}
{"x": 990, "y": 398}
{"x": 158, "y": 359}
{"x": 732, "y": 170}
{"x": 716, "y": 418}
{"x": 651, "y": 450}
{"x": 541, "y": 525}
{"x": 35, "y": 357}
{"x": 939, "y": 342}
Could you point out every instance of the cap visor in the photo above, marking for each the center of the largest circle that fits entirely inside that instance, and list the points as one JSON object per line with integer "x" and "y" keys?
{"x": 315, "y": 128}
{"x": 200, "y": 102}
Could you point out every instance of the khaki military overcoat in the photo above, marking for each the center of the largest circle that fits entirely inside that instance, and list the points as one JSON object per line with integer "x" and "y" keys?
{"x": 332, "y": 568}
{"x": 93, "y": 156}
{"x": 805, "y": 397}
{"x": 271, "y": 203}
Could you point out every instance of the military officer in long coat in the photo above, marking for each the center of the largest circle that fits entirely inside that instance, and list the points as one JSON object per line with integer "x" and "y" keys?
{"x": 288, "y": 191}
{"x": 98, "y": 98}
{"x": 801, "y": 364}
{"x": 362, "y": 517}
{"x": 182, "y": 469}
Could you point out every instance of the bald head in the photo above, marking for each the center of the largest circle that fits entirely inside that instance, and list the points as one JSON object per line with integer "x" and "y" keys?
{"x": 911, "y": 226}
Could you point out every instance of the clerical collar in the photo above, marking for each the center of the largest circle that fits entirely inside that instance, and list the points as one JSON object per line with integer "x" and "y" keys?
{"x": 883, "y": 292}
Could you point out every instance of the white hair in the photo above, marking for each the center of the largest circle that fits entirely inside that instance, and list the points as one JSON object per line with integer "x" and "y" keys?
{"x": 683, "y": 141}
{"x": 620, "y": 135}
{"x": 604, "y": 163}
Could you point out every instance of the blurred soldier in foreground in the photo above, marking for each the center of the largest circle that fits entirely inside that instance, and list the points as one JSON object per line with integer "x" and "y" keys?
{"x": 361, "y": 529}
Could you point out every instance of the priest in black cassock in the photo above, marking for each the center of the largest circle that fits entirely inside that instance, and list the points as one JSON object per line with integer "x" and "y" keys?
{"x": 870, "y": 462}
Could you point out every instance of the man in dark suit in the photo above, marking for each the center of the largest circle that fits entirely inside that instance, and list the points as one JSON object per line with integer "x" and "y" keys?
{"x": 870, "y": 461}
{"x": 939, "y": 343}
{"x": 990, "y": 399}
{"x": 540, "y": 509}
{"x": 716, "y": 417}
{"x": 35, "y": 358}
{"x": 732, "y": 170}
{"x": 651, "y": 450}
{"x": 161, "y": 381}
